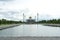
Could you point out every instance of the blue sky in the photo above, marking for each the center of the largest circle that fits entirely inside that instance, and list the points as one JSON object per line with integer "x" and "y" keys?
{"x": 14, "y": 9}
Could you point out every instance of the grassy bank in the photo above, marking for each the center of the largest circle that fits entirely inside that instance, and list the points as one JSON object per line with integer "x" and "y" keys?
{"x": 4, "y": 22}
{"x": 3, "y": 26}
{"x": 52, "y": 25}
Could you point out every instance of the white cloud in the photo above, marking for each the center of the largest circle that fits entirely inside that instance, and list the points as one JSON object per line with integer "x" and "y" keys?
{"x": 47, "y": 9}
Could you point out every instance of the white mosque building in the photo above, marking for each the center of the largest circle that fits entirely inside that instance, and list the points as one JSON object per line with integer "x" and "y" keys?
{"x": 30, "y": 20}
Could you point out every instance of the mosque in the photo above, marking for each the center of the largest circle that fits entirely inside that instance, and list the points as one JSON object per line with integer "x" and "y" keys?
{"x": 30, "y": 20}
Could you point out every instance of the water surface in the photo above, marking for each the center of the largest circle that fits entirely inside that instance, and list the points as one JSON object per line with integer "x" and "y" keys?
{"x": 31, "y": 30}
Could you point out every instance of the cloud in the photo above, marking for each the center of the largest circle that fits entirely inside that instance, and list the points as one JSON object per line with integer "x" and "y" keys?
{"x": 47, "y": 9}
{"x": 18, "y": 14}
{"x": 6, "y": 0}
{"x": 12, "y": 14}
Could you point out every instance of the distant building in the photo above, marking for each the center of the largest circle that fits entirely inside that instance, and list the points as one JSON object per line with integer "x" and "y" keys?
{"x": 30, "y": 20}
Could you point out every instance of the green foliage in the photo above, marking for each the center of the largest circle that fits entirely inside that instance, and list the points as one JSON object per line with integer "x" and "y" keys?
{"x": 54, "y": 21}
{"x": 4, "y": 21}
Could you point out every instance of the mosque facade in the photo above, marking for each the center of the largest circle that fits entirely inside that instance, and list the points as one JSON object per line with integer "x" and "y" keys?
{"x": 30, "y": 20}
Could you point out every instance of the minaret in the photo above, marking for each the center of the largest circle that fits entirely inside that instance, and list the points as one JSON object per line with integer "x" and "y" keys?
{"x": 23, "y": 17}
{"x": 37, "y": 16}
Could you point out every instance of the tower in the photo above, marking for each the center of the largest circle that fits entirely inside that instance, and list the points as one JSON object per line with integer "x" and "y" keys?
{"x": 37, "y": 16}
{"x": 23, "y": 17}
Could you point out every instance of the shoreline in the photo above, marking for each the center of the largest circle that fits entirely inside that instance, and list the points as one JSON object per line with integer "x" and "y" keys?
{"x": 8, "y": 26}
{"x": 53, "y": 25}
{"x": 13, "y": 25}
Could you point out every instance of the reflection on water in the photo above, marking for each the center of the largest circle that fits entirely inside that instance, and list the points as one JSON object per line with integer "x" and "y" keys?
{"x": 31, "y": 30}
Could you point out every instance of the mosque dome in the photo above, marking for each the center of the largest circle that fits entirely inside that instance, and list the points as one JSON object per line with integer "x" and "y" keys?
{"x": 30, "y": 20}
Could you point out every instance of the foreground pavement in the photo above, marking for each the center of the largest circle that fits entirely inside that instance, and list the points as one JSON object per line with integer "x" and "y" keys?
{"x": 29, "y": 38}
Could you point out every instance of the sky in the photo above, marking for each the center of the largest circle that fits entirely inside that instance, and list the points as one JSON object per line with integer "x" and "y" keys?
{"x": 14, "y": 9}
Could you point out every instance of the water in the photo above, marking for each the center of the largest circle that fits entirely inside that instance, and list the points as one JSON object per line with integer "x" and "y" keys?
{"x": 31, "y": 30}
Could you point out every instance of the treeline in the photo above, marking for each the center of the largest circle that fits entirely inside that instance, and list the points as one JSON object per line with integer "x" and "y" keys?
{"x": 4, "y": 21}
{"x": 54, "y": 21}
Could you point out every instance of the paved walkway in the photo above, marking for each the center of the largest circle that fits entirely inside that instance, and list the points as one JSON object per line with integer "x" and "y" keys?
{"x": 29, "y": 38}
